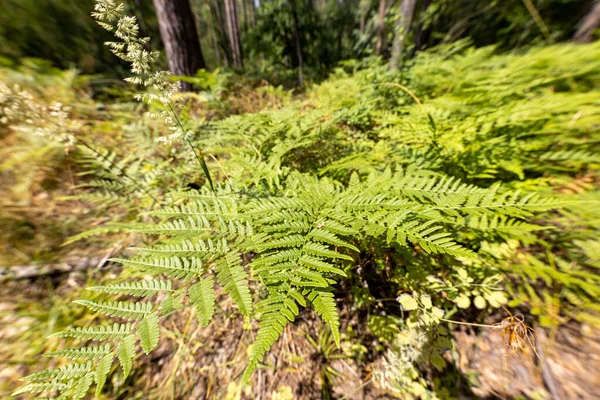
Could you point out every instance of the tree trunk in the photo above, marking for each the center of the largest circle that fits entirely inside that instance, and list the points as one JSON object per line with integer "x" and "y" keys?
{"x": 421, "y": 34}
{"x": 297, "y": 40}
{"x": 245, "y": 10}
{"x": 253, "y": 8}
{"x": 407, "y": 9}
{"x": 588, "y": 25}
{"x": 234, "y": 33}
{"x": 380, "y": 29}
{"x": 180, "y": 38}
{"x": 221, "y": 32}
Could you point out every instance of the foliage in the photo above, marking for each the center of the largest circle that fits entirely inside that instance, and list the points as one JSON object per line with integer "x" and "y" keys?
{"x": 466, "y": 174}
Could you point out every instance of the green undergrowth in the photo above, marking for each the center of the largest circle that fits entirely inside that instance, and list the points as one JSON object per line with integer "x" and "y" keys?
{"x": 465, "y": 182}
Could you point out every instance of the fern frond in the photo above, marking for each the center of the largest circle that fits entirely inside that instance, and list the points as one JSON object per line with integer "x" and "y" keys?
{"x": 326, "y": 236}
{"x": 277, "y": 311}
{"x": 139, "y": 288}
{"x": 110, "y": 332}
{"x": 186, "y": 226}
{"x": 149, "y": 332}
{"x": 81, "y": 353}
{"x": 324, "y": 303}
{"x": 186, "y": 248}
{"x": 120, "y": 309}
{"x": 233, "y": 278}
{"x": 203, "y": 298}
{"x": 125, "y": 352}
{"x": 43, "y": 387}
{"x": 68, "y": 371}
{"x": 175, "y": 267}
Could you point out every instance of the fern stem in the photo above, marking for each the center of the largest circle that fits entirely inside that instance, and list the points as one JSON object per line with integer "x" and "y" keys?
{"x": 466, "y": 323}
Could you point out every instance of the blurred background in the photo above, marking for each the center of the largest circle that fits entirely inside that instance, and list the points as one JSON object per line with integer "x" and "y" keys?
{"x": 57, "y": 232}
{"x": 264, "y": 35}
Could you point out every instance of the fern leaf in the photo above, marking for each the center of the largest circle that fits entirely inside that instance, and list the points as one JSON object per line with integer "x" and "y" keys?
{"x": 203, "y": 297}
{"x": 115, "y": 331}
{"x": 120, "y": 309}
{"x": 102, "y": 370}
{"x": 277, "y": 311}
{"x": 42, "y": 387}
{"x": 125, "y": 352}
{"x": 324, "y": 304}
{"x": 319, "y": 250}
{"x": 81, "y": 386}
{"x": 139, "y": 288}
{"x": 233, "y": 278}
{"x": 149, "y": 332}
{"x": 320, "y": 265}
{"x": 324, "y": 236}
{"x": 175, "y": 267}
{"x": 82, "y": 353}
{"x": 68, "y": 371}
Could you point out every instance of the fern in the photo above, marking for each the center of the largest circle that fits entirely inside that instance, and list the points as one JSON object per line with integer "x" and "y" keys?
{"x": 120, "y": 309}
{"x": 141, "y": 288}
{"x": 82, "y": 353}
{"x": 455, "y": 187}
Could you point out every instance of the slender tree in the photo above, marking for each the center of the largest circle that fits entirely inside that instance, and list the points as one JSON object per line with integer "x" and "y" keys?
{"x": 380, "y": 29}
{"x": 233, "y": 29}
{"x": 180, "y": 38}
{"x": 222, "y": 31}
{"x": 299, "y": 59}
{"x": 407, "y": 9}
{"x": 588, "y": 25}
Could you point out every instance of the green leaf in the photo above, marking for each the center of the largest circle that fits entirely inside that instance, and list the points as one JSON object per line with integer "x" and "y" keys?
{"x": 81, "y": 353}
{"x": 437, "y": 312}
{"x": 115, "y": 331}
{"x": 479, "y": 302}
{"x": 125, "y": 352}
{"x": 437, "y": 361}
{"x": 407, "y": 302}
{"x": 426, "y": 301}
{"x": 234, "y": 279}
{"x": 324, "y": 303}
{"x": 496, "y": 299}
{"x": 82, "y": 386}
{"x": 149, "y": 332}
{"x": 121, "y": 309}
{"x": 102, "y": 370}
{"x": 203, "y": 297}
{"x": 139, "y": 288}
{"x": 462, "y": 301}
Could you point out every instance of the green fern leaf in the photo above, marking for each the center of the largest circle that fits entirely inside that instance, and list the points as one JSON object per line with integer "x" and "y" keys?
{"x": 80, "y": 388}
{"x": 139, "y": 288}
{"x": 324, "y": 236}
{"x": 324, "y": 304}
{"x": 115, "y": 331}
{"x": 233, "y": 278}
{"x": 277, "y": 311}
{"x": 68, "y": 371}
{"x": 102, "y": 370}
{"x": 42, "y": 387}
{"x": 149, "y": 332}
{"x": 175, "y": 267}
{"x": 125, "y": 352}
{"x": 120, "y": 309}
{"x": 203, "y": 297}
{"x": 81, "y": 353}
